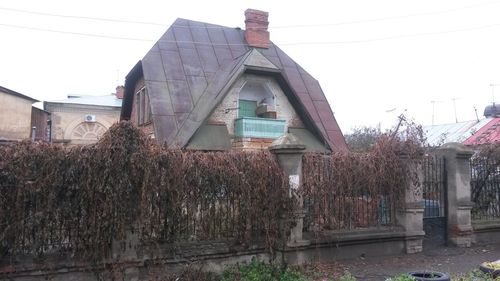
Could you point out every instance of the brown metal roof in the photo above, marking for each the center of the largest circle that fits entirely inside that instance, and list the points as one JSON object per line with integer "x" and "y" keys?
{"x": 188, "y": 69}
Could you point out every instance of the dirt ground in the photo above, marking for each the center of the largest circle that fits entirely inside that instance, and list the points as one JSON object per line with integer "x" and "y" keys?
{"x": 451, "y": 260}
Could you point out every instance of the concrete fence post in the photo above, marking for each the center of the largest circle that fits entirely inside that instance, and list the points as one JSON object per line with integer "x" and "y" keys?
{"x": 289, "y": 152}
{"x": 457, "y": 157}
{"x": 410, "y": 214}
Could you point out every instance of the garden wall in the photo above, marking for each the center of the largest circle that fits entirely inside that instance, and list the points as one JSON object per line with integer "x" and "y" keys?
{"x": 126, "y": 208}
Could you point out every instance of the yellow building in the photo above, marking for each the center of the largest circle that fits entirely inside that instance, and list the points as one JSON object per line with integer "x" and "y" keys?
{"x": 15, "y": 115}
{"x": 80, "y": 120}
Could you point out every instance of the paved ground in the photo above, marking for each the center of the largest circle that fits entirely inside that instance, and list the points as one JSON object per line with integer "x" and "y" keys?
{"x": 444, "y": 259}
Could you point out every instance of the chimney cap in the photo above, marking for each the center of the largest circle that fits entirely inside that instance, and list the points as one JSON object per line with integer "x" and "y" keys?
{"x": 256, "y": 24}
{"x": 120, "y": 91}
{"x": 254, "y": 11}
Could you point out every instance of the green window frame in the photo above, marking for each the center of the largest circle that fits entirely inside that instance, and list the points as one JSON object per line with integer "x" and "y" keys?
{"x": 247, "y": 108}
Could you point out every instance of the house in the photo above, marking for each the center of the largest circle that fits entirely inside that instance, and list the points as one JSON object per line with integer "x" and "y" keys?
{"x": 475, "y": 132}
{"x": 209, "y": 87}
{"x": 80, "y": 120}
{"x": 16, "y": 113}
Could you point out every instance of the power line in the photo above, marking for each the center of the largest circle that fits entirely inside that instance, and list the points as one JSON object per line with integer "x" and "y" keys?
{"x": 79, "y": 17}
{"x": 396, "y": 36}
{"x": 391, "y": 18}
{"x": 281, "y": 44}
{"x": 271, "y": 27}
{"x": 75, "y": 33}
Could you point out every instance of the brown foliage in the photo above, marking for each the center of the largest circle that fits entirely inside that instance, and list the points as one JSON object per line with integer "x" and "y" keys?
{"x": 78, "y": 200}
{"x": 349, "y": 190}
{"x": 485, "y": 192}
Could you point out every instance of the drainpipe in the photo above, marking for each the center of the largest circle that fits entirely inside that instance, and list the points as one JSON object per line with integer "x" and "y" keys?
{"x": 49, "y": 128}
{"x": 33, "y": 133}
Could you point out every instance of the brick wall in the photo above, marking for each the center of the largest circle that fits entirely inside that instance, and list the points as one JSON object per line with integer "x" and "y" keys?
{"x": 227, "y": 111}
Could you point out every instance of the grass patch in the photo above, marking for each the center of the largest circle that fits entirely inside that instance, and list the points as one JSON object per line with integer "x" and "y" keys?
{"x": 475, "y": 275}
{"x": 260, "y": 271}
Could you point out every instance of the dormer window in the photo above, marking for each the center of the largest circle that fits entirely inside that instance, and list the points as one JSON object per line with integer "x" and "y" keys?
{"x": 257, "y": 112}
{"x": 256, "y": 100}
{"x": 247, "y": 108}
{"x": 142, "y": 107}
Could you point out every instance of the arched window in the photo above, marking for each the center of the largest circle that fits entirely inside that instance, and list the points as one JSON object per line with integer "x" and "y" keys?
{"x": 90, "y": 131}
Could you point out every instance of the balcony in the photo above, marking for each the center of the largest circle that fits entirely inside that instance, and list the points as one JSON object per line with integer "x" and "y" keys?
{"x": 254, "y": 127}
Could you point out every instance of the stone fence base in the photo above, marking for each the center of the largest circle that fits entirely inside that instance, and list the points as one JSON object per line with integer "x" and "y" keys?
{"x": 155, "y": 261}
{"x": 486, "y": 232}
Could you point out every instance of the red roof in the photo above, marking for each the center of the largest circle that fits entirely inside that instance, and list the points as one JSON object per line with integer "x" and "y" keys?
{"x": 489, "y": 133}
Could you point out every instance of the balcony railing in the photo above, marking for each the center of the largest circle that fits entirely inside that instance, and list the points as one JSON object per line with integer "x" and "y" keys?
{"x": 259, "y": 127}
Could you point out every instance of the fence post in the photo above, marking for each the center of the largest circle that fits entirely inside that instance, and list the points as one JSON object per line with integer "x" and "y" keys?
{"x": 457, "y": 157}
{"x": 411, "y": 214}
{"x": 289, "y": 151}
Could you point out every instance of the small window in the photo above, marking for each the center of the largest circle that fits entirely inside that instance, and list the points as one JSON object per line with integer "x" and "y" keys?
{"x": 143, "y": 107}
{"x": 247, "y": 108}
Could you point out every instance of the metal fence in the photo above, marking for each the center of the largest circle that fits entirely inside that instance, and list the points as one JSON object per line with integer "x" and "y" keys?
{"x": 485, "y": 189}
{"x": 344, "y": 212}
{"x": 27, "y": 227}
{"x": 357, "y": 204}
{"x": 434, "y": 186}
{"x": 213, "y": 213}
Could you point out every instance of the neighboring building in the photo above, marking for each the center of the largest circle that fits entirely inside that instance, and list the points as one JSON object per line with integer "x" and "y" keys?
{"x": 80, "y": 120}
{"x": 487, "y": 134}
{"x": 437, "y": 135}
{"x": 40, "y": 124}
{"x": 476, "y": 132}
{"x": 209, "y": 87}
{"x": 15, "y": 115}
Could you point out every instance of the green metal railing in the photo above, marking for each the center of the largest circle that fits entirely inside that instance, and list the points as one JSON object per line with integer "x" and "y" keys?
{"x": 259, "y": 127}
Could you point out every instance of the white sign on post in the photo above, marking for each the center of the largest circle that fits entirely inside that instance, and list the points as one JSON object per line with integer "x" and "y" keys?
{"x": 294, "y": 182}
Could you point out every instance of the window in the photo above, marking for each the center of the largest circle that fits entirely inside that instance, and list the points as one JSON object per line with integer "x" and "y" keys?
{"x": 247, "y": 108}
{"x": 256, "y": 100}
{"x": 257, "y": 112}
{"x": 143, "y": 107}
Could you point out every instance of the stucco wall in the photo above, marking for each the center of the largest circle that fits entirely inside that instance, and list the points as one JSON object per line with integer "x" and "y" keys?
{"x": 227, "y": 110}
{"x": 15, "y": 113}
{"x": 70, "y": 128}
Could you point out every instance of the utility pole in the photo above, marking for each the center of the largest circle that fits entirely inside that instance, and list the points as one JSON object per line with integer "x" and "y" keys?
{"x": 493, "y": 91}
{"x": 455, "y": 108}
{"x": 433, "y": 104}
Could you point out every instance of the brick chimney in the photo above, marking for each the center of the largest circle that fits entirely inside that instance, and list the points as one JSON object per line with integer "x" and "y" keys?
{"x": 120, "y": 90}
{"x": 256, "y": 33}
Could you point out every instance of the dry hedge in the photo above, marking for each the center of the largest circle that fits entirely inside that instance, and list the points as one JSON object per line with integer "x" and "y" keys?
{"x": 78, "y": 200}
{"x": 352, "y": 190}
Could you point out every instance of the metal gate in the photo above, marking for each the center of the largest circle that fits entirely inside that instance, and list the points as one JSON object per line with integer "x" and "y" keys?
{"x": 435, "y": 201}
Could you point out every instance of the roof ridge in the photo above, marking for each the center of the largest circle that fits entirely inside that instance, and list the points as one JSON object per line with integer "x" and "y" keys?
{"x": 17, "y": 94}
{"x": 206, "y": 24}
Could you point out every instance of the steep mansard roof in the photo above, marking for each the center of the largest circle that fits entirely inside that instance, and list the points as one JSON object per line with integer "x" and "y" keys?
{"x": 189, "y": 70}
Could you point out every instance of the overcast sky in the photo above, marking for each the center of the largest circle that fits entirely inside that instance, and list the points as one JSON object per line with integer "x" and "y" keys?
{"x": 373, "y": 59}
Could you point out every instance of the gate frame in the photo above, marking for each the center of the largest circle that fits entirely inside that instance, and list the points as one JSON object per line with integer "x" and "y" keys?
{"x": 459, "y": 226}
{"x": 439, "y": 176}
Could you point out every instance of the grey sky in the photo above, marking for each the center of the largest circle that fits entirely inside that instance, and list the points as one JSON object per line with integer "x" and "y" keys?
{"x": 374, "y": 59}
